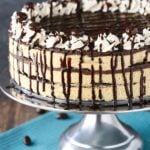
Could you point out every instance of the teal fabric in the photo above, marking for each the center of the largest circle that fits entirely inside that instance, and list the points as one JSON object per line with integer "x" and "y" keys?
{"x": 46, "y": 130}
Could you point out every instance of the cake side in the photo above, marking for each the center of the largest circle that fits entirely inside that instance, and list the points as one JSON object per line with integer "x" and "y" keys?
{"x": 38, "y": 67}
{"x": 67, "y": 63}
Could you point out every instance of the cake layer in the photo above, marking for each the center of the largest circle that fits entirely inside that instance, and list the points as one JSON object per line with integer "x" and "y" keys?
{"x": 101, "y": 91}
{"x": 106, "y": 76}
{"x": 104, "y": 59}
{"x": 45, "y": 74}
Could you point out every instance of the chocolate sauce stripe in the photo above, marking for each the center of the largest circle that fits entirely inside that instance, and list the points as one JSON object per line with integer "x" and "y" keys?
{"x": 98, "y": 17}
{"x": 135, "y": 67}
{"x": 18, "y": 67}
{"x": 131, "y": 79}
{"x": 41, "y": 80}
{"x": 113, "y": 74}
{"x": 87, "y": 22}
{"x": 52, "y": 76}
{"x": 101, "y": 21}
{"x": 37, "y": 74}
{"x": 93, "y": 84}
{"x": 141, "y": 97}
{"x": 87, "y": 14}
{"x": 100, "y": 78}
{"x": 125, "y": 79}
{"x": 96, "y": 22}
{"x": 111, "y": 19}
{"x": 13, "y": 61}
{"x": 60, "y": 103}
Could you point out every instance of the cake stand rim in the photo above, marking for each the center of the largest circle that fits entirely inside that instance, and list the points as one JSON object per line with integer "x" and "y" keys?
{"x": 37, "y": 103}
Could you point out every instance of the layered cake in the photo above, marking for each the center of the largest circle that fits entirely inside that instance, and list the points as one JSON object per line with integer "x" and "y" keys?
{"x": 78, "y": 52}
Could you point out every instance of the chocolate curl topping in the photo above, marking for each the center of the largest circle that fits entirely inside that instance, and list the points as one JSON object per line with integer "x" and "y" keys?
{"x": 21, "y": 16}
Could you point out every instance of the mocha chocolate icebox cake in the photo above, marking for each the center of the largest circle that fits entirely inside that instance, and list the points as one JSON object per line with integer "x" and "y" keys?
{"x": 79, "y": 53}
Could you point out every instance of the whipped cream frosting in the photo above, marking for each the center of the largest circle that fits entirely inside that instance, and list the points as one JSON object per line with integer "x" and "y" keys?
{"x": 22, "y": 25}
{"x": 133, "y": 6}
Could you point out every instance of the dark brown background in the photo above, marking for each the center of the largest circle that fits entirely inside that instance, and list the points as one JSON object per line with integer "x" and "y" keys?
{"x": 11, "y": 113}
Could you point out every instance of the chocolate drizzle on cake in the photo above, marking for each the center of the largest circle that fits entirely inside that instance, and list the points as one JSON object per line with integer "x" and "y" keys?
{"x": 93, "y": 84}
{"x": 142, "y": 88}
{"x": 103, "y": 23}
{"x": 80, "y": 79}
{"x": 131, "y": 80}
{"x": 43, "y": 67}
{"x": 68, "y": 80}
{"x": 85, "y": 71}
{"x": 30, "y": 70}
{"x": 91, "y": 24}
{"x": 37, "y": 74}
{"x": 124, "y": 77}
{"x": 18, "y": 65}
{"x": 52, "y": 76}
{"x": 113, "y": 68}
{"x": 22, "y": 60}
{"x": 66, "y": 68}
{"x": 100, "y": 78}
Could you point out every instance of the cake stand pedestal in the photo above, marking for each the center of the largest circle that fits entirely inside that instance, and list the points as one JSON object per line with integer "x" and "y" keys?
{"x": 98, "y": 130}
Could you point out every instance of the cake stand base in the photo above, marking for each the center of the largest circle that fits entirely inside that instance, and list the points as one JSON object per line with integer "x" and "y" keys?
{"x": 100, "y": 132}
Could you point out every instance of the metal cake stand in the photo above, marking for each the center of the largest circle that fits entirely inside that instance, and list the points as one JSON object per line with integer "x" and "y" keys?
{"x": 98, "y": 130}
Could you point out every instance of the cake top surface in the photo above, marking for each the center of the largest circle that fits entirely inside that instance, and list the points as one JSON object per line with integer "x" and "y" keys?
{"x": 98, "y": 25}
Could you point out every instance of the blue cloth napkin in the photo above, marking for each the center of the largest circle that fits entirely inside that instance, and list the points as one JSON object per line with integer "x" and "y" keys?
{"x": 46, "y": 130}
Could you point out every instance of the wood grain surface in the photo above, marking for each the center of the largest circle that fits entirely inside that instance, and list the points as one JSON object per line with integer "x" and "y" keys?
{"x": 12, "y": 113}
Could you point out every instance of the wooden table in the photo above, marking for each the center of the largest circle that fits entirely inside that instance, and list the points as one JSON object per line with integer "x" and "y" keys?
{"x": 13, "y": 113}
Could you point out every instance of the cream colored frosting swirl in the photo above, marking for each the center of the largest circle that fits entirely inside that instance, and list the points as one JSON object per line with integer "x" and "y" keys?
{"x": 133, "y": 6}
